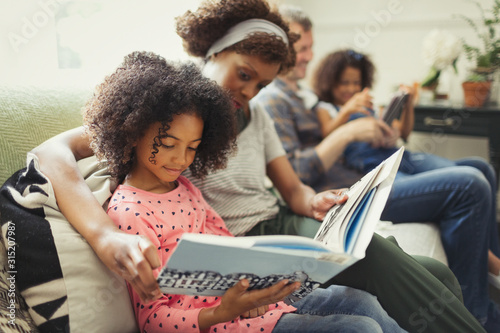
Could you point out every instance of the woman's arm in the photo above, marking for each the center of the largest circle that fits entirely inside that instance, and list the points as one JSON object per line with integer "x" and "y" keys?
{"x": 295, "y": 193}
{"x": 301, "y": 198}
{"x": 130, "y": 256}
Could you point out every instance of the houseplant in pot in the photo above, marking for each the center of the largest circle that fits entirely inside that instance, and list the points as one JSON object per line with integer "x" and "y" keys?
{"x": 477, "y": 89}
{"x": 485, "y": 58}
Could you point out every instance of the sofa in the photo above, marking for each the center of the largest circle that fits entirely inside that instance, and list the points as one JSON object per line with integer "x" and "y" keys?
{"x": 85, "y": 296}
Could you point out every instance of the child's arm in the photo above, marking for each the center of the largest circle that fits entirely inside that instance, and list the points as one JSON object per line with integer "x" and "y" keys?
{"x": 129, "y": 256}
{"x": 177, "y": 313}
{"x": 359, "y": 103}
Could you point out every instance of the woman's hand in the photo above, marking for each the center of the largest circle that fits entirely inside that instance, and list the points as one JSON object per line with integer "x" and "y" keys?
{"x": 132, "y": 257}
{"x": 323, "y": 201}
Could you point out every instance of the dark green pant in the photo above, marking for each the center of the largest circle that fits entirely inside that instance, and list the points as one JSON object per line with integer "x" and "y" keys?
{"x": 420, "y": 293}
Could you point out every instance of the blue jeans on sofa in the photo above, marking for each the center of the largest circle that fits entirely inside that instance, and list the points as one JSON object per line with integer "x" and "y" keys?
{"x": 337, "y": 309}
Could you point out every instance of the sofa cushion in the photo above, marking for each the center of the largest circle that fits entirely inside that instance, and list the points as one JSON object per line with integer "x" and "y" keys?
{"x": 64, "y": 283}
{"x": 416, "y": 238}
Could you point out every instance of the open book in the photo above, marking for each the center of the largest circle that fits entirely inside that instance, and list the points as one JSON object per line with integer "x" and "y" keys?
{"x": 208, "y": 265}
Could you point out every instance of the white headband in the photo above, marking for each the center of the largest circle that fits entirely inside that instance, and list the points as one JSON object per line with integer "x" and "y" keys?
{"x": 241, "y": 31}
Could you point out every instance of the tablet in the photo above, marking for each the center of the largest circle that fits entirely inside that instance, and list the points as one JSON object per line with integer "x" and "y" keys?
{"x": 395, "y": 107}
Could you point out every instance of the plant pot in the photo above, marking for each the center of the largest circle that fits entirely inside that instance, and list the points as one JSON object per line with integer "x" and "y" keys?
{"x": 476, "y": 93}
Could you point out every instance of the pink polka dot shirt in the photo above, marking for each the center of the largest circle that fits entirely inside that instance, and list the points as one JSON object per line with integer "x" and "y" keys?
{"x": 163, "y": 218}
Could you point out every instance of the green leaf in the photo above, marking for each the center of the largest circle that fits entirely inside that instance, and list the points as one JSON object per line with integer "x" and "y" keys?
{"x": 454, "y": 65}
{"x": 431, "y": 78}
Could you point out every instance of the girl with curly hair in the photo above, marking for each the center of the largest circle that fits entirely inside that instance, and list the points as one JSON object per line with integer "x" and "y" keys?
{"x": 459, "y": 196}
{"x": 146, "y": 95}
{"x": 244, "y": 44}
{"x": 151, "y": 120}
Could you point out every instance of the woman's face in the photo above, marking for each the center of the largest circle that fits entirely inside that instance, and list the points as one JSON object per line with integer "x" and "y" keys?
{"x": 243, "y": 75}
{"x": 349, "y": 84}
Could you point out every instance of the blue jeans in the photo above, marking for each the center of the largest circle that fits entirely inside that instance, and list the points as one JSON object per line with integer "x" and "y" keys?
{"x": 460, "y": 196}
{"x": 337, "y": 309}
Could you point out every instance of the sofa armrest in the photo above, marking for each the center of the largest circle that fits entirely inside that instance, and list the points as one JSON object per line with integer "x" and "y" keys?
{"x": 30, "y": 115}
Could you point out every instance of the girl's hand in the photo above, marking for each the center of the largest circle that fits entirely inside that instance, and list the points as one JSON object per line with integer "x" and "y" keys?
{"x": 132, "y": 257}
{"x": 410, "y": 102}
{"x": 407, "y": 120}
{"x": 411, "y": 95}
{"x": 261, "y": 310}
{"x": 238, "y": 301}
{"x": 323, "y": 201}
{"x": 359, "y": 103}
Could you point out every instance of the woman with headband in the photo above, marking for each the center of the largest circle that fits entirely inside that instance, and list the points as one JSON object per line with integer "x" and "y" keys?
{"x": 239, "y": 193}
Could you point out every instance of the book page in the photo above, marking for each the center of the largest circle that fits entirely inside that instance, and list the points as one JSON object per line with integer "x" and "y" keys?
{"x": 331, "y": 232}
{"x": 334, "y": 227}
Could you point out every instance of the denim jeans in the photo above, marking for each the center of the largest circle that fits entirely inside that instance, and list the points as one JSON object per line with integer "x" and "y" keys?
{"x": 460, "y": 196}
{"x": 337, "y": 309}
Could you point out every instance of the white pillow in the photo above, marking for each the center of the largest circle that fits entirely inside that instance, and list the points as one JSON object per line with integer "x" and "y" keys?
{"x": 62, "y": 280}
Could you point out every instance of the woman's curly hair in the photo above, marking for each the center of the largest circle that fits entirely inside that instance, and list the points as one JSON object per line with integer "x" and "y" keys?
{"x": 200, "y": 29}
{"x": 329, "y": 70}
{"x": 146, "y": 89}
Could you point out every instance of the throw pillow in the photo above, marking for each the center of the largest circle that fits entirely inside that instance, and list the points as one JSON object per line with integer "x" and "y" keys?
{"x": 65, "y": 285}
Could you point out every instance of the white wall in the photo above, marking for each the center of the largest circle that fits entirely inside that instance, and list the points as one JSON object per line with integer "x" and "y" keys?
{"x": 28, "y": 39}
{"x": 391, "y": 32}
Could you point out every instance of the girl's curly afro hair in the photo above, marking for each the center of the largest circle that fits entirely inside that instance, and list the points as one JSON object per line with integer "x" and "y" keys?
{"x": 146, "y": 89}
{"x": 200, "y": 29}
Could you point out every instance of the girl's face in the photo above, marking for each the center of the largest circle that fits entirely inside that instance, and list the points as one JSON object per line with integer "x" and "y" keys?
{"x": 349, "y": 84}
{"x": 176, "y": 153}
{"x": 243, "y": 75}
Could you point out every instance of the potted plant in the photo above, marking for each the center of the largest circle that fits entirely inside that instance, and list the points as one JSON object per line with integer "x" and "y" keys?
{"x": 486, "y": 57}
{"x": 477, "y": 89}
